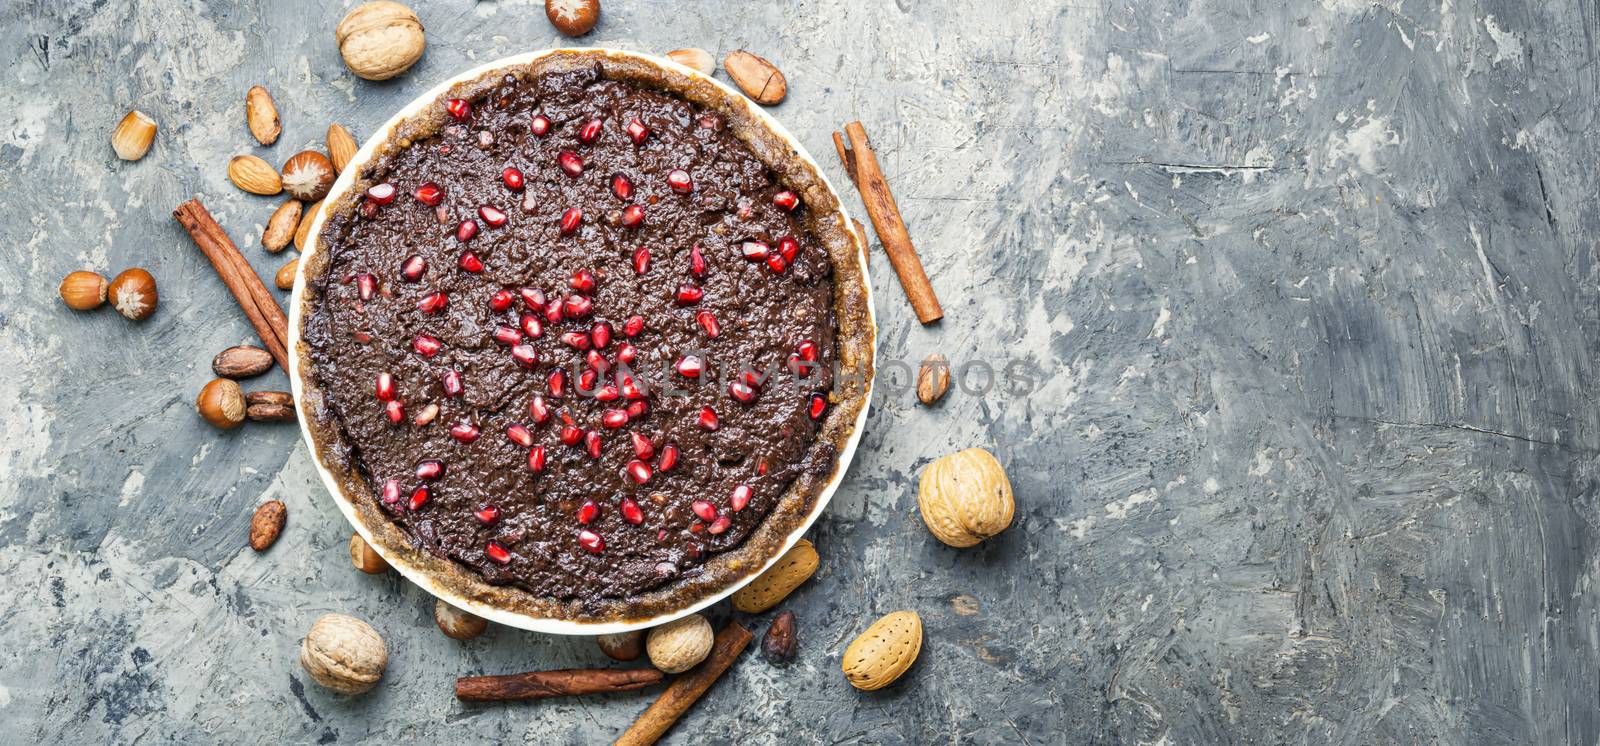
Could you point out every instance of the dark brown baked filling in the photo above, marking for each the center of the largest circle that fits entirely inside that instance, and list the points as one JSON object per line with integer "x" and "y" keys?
{"x": 500, "y": 278}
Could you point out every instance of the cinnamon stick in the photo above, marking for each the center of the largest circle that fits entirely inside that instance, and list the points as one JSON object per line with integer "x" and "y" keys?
{"x": 685, "y": 690}
{"x": 862, "y": 165}
{"x": 241, "y": 279}
{"x": 560, "y": 683}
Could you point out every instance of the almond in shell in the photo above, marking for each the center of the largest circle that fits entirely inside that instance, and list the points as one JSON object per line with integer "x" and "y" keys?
{"x": 774, "y": 585}
{"x": 883, "y": 652}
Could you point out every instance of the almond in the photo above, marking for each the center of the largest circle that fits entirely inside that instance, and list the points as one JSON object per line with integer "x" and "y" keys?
{"x": 281, "y": 226}
{"x": 883, "y": 652}
{"x": 933, "y": 379}
{"x": 267, "y": 524}
{"x": 774, "y": 585}
{"x": 695, "y": 59}
{"x": 241, "y": 361}
{"x": 284, "y": 279}
{"x": 133, "y": 136}
{"x": 965, "y": 498}
{"x": 254, "y": 175}
{"x": 261, "y": 115}
{"x": 342, "y": 146}
{"x": 308, "y": 175}
{"x": 758, "y": 78}
{"x": 307, "y": 217}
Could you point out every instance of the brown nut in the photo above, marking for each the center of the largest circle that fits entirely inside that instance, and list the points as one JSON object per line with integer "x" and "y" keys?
{"x": 379, "y": 40}
{"x": 778, "y": 645}
{"x": 241, "y": 361}
{"x": 572, "y": 17}
{"x": 965, "y": 498}
{"x": 266, "y": 524}
{"x": 261, "y": 115}
{"x": 254, "y": 175}
{"x": 284, "y": 278}
{"x": 280, "y": 398}
{"x": 933, "y": 379}
{"x": 133, "y": 136}
{"x": 758, "y": 78}
{"x": 774, "y": 585}
{"x": 83, "y": 290}
{"x": 269, "y": 412}
{"x": 133, "y": 294}
{"x": 622, "y": 646}
{"x": 365, "y": 558}
{"x": 281, "y": 226}
{"x": 344, "y": 654}
{"x": 457, "y": 624}
{"x": 221, "y": 403}
{"x": 308, "y": 175}
{"x": 883, "y": 652}
{"x": 307, "y": 217}
{"x": 342, "y": 146}
{"x": 695, "y": 59}
{"x": 680, "y": 645}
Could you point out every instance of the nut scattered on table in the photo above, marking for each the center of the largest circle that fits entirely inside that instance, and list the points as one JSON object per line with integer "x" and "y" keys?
{"x": 774, "y": 585}
{"x": 133, "y": 136}
{"x": 342, "y": 146}
{"x": 133, "y": 294}
{"x": 759, "y": 79}
{"x": 308, "y": 175}
{"x": 883, "y": 652}
{"x": 269, "y": 406}
{"x": 933, "y": 379}
{"x": 779, "y": 644}
{"x": 307, "y": 217}
{"x": 622, "y": 646}
{"x": 266, "y": 524}
{"x": 365, "y": 558}
{"x": 241, "y": 361}
{"x": 344, "y": 654}
{"x": 965, "y": 497}
{"x": 680, "y": 645}
{"x": 281, "y": 226}
{"x": 457, "y": 624}
{"x": 572, "y": 17}
{"x": 261, "y": 115}
{"x": 284, "y": 278}
{"x": 694, "y": 59}
{"x": 254, "y": 175}
{"x": 379, "y": 40}
{"x": 83, "y": 290}
{"x": 221, "y": 403}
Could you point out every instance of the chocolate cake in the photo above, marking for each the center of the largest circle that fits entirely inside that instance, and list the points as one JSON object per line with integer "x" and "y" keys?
{"x": 585, "y": 339}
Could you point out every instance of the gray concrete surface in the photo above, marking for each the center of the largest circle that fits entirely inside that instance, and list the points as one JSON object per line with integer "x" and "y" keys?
{"x": 1308, "y": 291}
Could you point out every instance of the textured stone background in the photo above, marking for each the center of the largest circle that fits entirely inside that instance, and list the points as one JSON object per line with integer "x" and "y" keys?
{"x": 1308, "y": 290}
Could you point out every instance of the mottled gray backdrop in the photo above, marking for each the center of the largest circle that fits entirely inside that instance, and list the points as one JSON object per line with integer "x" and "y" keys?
{"x": 1309, "y": 293}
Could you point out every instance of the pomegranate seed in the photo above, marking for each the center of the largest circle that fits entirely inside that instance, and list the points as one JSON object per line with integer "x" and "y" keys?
{"x": 591, "y": 541}
{"x": 419, "y": 498}
{"x": 570, "y": 162}
{"x": 497, "y": 553}
{"x": 630, "y": 509}
{"x": 622, "y": 186}
{"x": 381, "y": 194}
{"x": 570, "y": 220}
{"x": 413, "y": 268}
{"x": 464, "y": 432}
{"x": 458, "y": 108}
{"x": 536, "y": 459}
{"x": 641, "y": 260}
{"x": 708, "y": 418}
{"x": 501, "y": 300}
{"x": 637, "y": 132}
{"x": 612, "y": 419}
{"x": 506, "y": 335}
{"x": 705, "y": 510}
{"x": 592, "y": 443}
{"x": 642, "y": 447}
{"x": 582, "y": 281}
{"x": 385, "y": 388}
{"x": 587, "y": 380}
{"x": 669, "y": 458}
{"x": 451, "y": 383}
{"x": 557, "y": 383}
{"x": 740, "y": 497}
{"x": 589, "y": 131}
{"x": 395, "y": 410}
{"x": 426, "y": 416}
{"x": 430, "y": 469}
{"x": 425, "y": 345}
{"x": 368, "y": 209}
{"x": 631, "y": 389}
{"x": 571, "y": 435}
{"x": 513, "y": 178}
{"x": 761, "y": 467}
{"x": 391, "y": 491}
{"x": 788, "y": 248}
{"x": 492, "y": 215}
{"x": 638, "y": 409}
{"x": 689, "y": 294}
{"x": 608, "y": 393}
{"x": 538, "y": 410}
{"x": 639, "y": 471}
{"x": 819, "y": 406}
{"x": 752, "y": 377}
{"x": 533, "y": 297}
{"x": 777, "y": 264}
{"x": 588, "y": 511}
{"x": 697, "y": 261}
{"x": 488, "y": 514}
{"x": 366, "y": 285}
{"x": 531, "y": 326}
{"x": 577, "y": 306}
{"x": 540, "y": 126}
{"x": 786, "y": 200}
{"x": 524, "y": 355}
{"x": 708, "y": 322}
{"x": 719, "y": 525}
{"x": 552, "y": 313}
{"x": 632, "y": 216}
{"x": 691, "y": 366}
{"x": 627, "y": 353}
{"x": 633, "y": 326}
{"x": 429, "y": 194}
{"x": 520, "y": 435}
{"x": 466, "y": 230}
{"x": 742, "y": 392}
{"x": 679, "y": 181}
{"x": 575, "y": 340}
{"x": 469, "y": 262}
{"x": 755, "y": 251}
{"x": 807, "y": 350}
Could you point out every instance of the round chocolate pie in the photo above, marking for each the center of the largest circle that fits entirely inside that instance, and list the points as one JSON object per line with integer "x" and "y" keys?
{"x": 583, "y": 338}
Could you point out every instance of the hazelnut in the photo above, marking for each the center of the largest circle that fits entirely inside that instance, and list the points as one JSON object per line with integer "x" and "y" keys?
{"x": 83, "y": 290}
{"x": 622, "y": 646}
{"x": 221, "y": 403}
{"x": 680, "y": 645}
{"x": 133, "y": 294}
{"x": 344, "y": 654}
{"x": 457, "y": 624}
{"x": 133, "y": 136}
{"x": 308, "y": 175}
{"x": 365, "y": 558}
{"x": 380, "y": 39}
{"x": 572, "y": 17}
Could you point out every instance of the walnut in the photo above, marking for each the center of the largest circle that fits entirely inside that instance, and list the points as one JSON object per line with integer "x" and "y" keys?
{"x": 344, "y": 654}
{"x": 380, "y": 39}
{"x": 680, "y": 645}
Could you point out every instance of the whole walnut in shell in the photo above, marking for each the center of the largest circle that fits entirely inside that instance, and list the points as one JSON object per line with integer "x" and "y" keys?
{"x": 344, "y": 654}
{"x": 680, "y": 645}
{"x": 380, "y": 39}
{"x": 965, "y": 498}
